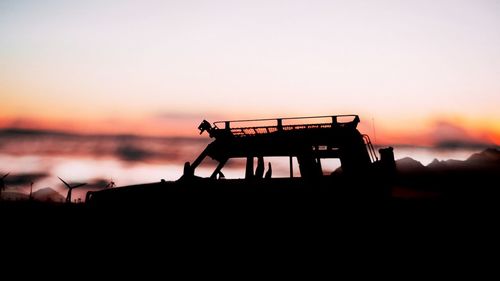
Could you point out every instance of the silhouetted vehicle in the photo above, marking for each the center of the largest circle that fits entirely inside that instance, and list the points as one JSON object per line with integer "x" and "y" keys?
{"x": 306, "y": 141}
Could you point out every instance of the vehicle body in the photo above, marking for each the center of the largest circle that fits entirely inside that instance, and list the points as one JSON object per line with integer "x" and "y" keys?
{"x": 304, "y": 140}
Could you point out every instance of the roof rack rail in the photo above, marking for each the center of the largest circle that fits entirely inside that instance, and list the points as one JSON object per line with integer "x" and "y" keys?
{"x": 290, "y": 124}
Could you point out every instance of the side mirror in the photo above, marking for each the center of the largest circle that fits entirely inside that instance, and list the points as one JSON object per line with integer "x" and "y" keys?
{"x": 204, "y": 126}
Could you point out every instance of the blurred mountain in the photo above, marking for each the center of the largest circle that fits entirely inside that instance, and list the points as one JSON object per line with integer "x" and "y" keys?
{"x": 441, "y": 165}
{"x": 488, "y": 156}
{"x": 437, "y": 164}
{"x": 488, "y": 159}
{"x": 44, "y": 195}
{"x": 48, "y": 195}
{"x": 408, "y": 164}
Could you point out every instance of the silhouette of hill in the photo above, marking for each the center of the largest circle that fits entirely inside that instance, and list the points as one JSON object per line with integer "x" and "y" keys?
{"x": 48, "y": 195}
{"x": 441, "y": 165}
{"x": 408, "y": 164}
{"x": 471, "y": 180}
{"x": 485, "y": 160}
{"x": 43, "y": 195}
{"x": 488, "y": 159}
{"x": 437, "y": 164}
{"x": 489, "y": 156}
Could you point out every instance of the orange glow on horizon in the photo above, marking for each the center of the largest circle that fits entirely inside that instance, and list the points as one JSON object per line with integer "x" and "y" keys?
{"x": 425, "y": 134}
{"x": 96, "y": 126}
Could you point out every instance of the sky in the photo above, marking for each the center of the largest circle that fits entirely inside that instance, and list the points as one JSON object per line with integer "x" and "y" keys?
{"x": 417, "y": 72}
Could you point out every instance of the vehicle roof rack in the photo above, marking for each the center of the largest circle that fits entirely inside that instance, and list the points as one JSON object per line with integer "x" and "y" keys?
{"x": 238, "y": 128}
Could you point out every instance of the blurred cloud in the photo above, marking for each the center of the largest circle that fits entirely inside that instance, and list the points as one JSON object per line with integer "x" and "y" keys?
{"x": 133, "y": 153}
{"x": 21, "y": 122}
{"x": 24, "y": 178}
{"x": 448, "y": 134}
{"x": 128, "y": 148}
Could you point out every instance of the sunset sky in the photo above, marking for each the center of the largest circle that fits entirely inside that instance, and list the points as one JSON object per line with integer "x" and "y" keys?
{"x": 424, "y": 71}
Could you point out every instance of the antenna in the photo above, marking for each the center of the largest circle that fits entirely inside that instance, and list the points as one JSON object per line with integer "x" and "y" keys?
{"x": 31, "y": 192}
{"x": 374, "y": 133}
{"x": 2, "y": 183}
